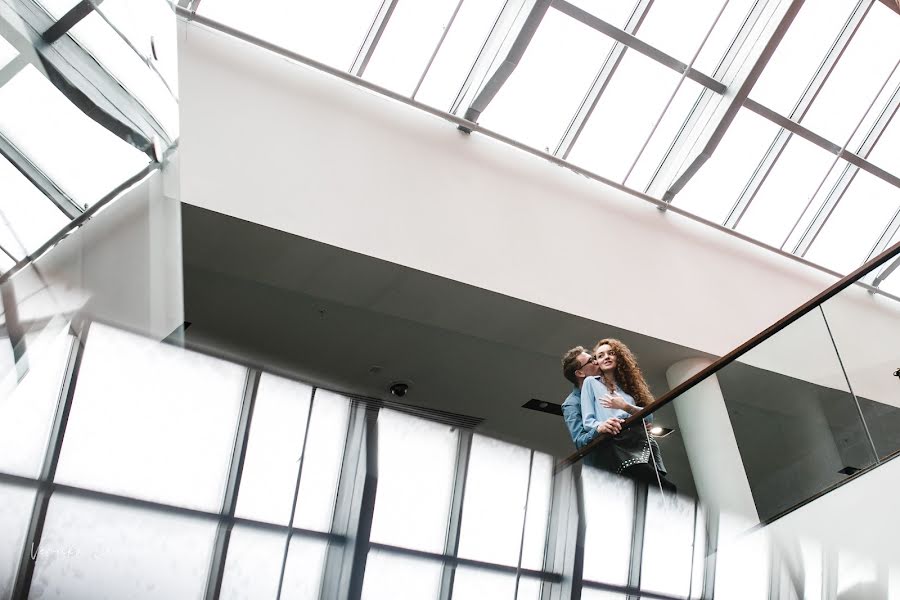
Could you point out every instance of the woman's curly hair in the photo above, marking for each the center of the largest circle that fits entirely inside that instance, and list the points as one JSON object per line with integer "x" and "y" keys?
{"x": 628, "y": 374}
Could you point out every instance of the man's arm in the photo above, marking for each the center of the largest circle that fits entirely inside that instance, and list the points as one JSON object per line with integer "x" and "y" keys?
{"x": 580, "y": 435}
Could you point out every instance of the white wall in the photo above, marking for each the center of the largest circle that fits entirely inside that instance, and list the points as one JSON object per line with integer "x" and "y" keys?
{"x": 289, "y": 147}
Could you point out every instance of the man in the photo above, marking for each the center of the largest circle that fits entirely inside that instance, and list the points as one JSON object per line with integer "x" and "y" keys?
{"x": 578, "y": 364}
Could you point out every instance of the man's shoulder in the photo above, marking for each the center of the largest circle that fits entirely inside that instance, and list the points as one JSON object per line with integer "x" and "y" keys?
{"x": 573, "y": 398}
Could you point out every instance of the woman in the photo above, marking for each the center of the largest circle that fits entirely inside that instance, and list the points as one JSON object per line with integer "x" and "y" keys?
{"x": 620, "y": 391}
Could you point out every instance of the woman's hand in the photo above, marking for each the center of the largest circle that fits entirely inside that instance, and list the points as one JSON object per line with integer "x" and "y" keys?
{"x": 612, "y": 426}
{"x": 615, "y": 401}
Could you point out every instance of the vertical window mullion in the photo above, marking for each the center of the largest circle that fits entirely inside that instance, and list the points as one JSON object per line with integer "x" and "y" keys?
{"x": 451, "y": 546}
{"x": 229, "y": 502}
{"x": 25, "y": 570}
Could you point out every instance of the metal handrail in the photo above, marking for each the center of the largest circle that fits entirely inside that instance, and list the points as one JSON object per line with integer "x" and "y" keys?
{"x": 726, "y": 360}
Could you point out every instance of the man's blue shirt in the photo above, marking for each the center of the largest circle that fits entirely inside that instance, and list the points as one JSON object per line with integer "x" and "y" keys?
{"x": 571, "y": 409}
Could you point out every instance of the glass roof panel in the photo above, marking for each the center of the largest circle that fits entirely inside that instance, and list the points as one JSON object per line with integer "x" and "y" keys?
{"x": 330, "y": 32}
{"x": 682, "y": 41}
{"x": 853, "y": 228}
{"x": 834, "y": 175}
{"x": 615, "y": 13}
{"x": 792, "y": 181}
{"x": 6, "y": 263}
{"x": 104, "y": 44}
{"x": 624, "y": 116}
{"x": 713, "y": 190}
{"x": 858, "y": 76}
{"x": 149, "y": 26}
{"x": 723, "y": 35}
{"x": 7, "y": 52}
{"x": 886, "y": 153}
{"x": 27, "y": 217}
{"x": 542, "y": 95}
{"x": 665, "y": 133}
{"x": 454, "y": 60}
{"x": 800, "y": 53}
{"x": 82, "y": 157}
{"x": 892, "y": 283}
{"x": 57, "y": 8}
{"x": 407, "y": 43}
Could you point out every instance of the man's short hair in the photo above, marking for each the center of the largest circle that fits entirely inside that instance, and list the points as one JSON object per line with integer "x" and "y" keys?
{"x": 570, "y": 363}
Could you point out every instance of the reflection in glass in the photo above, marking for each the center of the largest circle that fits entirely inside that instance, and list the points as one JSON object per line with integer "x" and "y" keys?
{"x": 27, "y": 407}
{"x": 304, "y": 568}
{"x": 16, "y": 503}
{"x": 625, "y": 115}
{"x": 668, "y": 544}
{"x": 851, "y": 231}
{"x": 607, "y": 541}
{"x": 407, "y": 43}
{"x": 322, "y": 461}
{"x": 793, "y": 388}
{"x": 742, "y": 560}
{"x": 170, "y": 414}
{"x": 330, "y": 32}
{"x": 421, "y": 577}
{"x": 865, "y": 330}
{"x": 83, "y": 158}
{"x": 253, "y": 563}
{"x": 857, "y": 577}
{"x": 493, "y": 510}
{"x": 471, "y": 583}
{"x": 792, "y": 181}
{"x": 125, "y": 551}
{"x": 277, "y": 430}
{"x": 541, "y": 96}
{"x": 454, "y": 60}
{"x": 713, "y": 190}
{"x": 413, "y": 449}
{"x": 27, "y": 217}
{"x": 800, "y": 53}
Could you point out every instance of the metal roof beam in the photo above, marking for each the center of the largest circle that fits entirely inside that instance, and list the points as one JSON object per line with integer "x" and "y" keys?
{"x": 604, "y": 76}
{"x": 799, "y": 111}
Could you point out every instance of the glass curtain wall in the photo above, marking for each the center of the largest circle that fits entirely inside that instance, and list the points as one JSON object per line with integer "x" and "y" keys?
{"x": 147, "y": 470}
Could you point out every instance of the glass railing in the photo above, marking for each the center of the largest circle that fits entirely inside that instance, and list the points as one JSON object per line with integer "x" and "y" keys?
{"x": 800, "y": 409}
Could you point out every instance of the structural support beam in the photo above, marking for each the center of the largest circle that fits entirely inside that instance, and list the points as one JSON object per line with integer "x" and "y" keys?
{"x": 709, "y": 139}
{"x": 637, "y": 45}
{"x": 799, "y": 111}
{"x": 873, "y": 135}
{"x": 70, "y": 20}
{"x": 80, "y": 77}
{"x": 509, "y": 64}
{"x": 604, "y": 76}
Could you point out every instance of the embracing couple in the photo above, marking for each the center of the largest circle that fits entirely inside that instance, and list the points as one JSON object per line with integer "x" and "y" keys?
{"x": 608, "y": 388}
